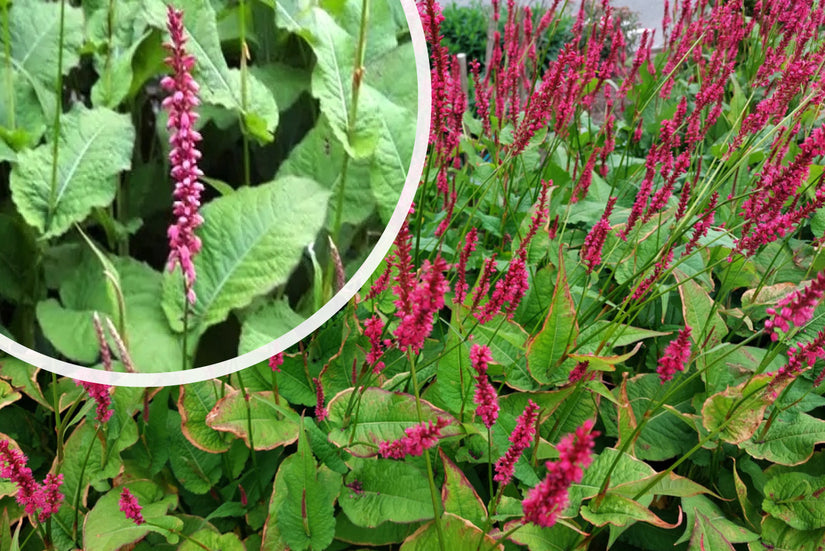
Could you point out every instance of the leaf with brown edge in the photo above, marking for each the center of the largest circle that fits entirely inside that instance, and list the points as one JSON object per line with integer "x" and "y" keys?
{"x": 8, "y": 395}
{"x": 737, "y": 425}
{"x": 626, "y": 419}
{"x": 697, "y": 309}
{"x": 382, "y": 416}
{"x": 548, "y": 348}
{"x": 458, "y": 495}
{"x": 272, "y": 425}
{"x": 605, "y": 363}
{"x": 620, "y": 510}
{"x": 195, "y": 401}
{"x": 459, "y": 534}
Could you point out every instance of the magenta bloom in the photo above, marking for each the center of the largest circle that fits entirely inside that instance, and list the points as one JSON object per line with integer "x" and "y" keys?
{"x": 321, "y": 412}
{"x": 797, "y": 307}
{"x": 520, "y": 440}
{"x": 33, "y": 497}
{"x": 130, "y": 507}
{"x": 676, "y": 356}
{"x": 184, "y": 155}
{"x": 373, "y": 329}
{"x": 51, "y": 497}
{"x": 461, "y": 286}
{"x": 485, "y": 397}
{"x": 418, "y": 439}
{"x": 591, "y": 251}
{"x": 101, "y": 394}
{"x": 276, "y": 361}
{"x": 544, "y": 502}
{"x": 13, "y": 467}
{"x": 420, "y": 306}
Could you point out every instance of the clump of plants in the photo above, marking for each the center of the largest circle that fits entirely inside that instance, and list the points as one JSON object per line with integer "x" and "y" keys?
{"x": 587, "y": 336}
{"x": 185, "y": 180}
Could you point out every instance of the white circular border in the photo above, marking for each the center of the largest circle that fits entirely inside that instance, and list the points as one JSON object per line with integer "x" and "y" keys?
{"x": 329, "y": 309}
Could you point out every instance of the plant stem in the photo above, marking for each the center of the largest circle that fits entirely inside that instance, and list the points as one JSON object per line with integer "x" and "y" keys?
{"x": 58, "y": 108}
{"x": 9, "y": 72}
{"x": 430, "y": 478}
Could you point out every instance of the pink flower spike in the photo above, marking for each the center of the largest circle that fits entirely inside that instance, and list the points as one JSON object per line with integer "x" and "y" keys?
{"x": 184, "y": 154}
{"x": 419, "y": 438}
{"x": 797, "y": 307}
{"x": 321, "y": 412}
{"x": 130, "y": 507}
{"x": 52, "y": 498}
{"x": 485, "y": 397}
{"x": 276, "y": 361}
{"x": 13, "y": 467}
{"x": 101, "y": 394}
{"x": 544, "y": 502}
{"x": 520, "y": 440}
{"x": 676, "y": 356}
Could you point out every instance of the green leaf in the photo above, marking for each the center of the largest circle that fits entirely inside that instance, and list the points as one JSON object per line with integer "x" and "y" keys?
{"x": 266, "y": 324}
{"x": 736, "y": 426}
{"x": 18, "y": 253}
{"x": 536, "y": 538}
{"x": 286, "y": 82}
{"x": 789, "y": 441}
{"x": 252, "y": 241}
{"x": 106, "y": 528}
{"x": 620, "y": 510}
{"x": 332, "y": 86}
{"x": 198, "y": 471}
{"x": 306, "y": 517}
{"x": 381, "y": 416}
{"x": 94, "y": 146}
{"x": 781, "y": 537}
{"x": 220, "y": 85}
{"x": 389, "y": 491}
{"x": 194, "y": 404}
{"x": 714, "y": 520}
{"x": 459, "y": 535}
{"x": 547, "y": 349}
{"x": 459, "y": 496}
{"x": 272, "y": 425}
{"x": 35, "y": 44}
{"x": 385, "y": 534}
{"x": 320, "y": 156}
{"x": 697, "y": 308}
{"x": 212, "y": 540}
{"x": 796, "y": 499}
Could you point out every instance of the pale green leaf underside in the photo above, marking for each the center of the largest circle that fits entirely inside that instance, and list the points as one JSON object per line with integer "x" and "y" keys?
{"x": 252, "y": 241}
{"x": 94, "y": 146}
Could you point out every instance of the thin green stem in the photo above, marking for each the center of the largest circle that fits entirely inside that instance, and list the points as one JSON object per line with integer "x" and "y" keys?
{"x": 436, "y": 497}
{"x": 58, "y": 108}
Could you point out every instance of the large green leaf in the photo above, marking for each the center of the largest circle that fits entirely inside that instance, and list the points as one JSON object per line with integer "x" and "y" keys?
{"x": 194, "y": 404}
{"x": 387, "y": 491}
{"x": 790, "y": 440}
{"x": 252, "y": 241}
{"x": 94, "y": 146}
{"x": 35, "y": 43}
{"x": 272, "y": 425}
{"x": 705, "y": 521}
{"x": 68, "y": 323}
{"x": 106, "y": 528}
{"x": 546, "y": 350}
{"x": 306, "y": 518}
{"x": 198, "y": 471}
{"x": 220, "y": 85}
{"x": 378, "y": 416}
{"x": 459, "y": 496}
{"x": 796, "y": 499}
{"x": 459, "y": 535}
{"x": 267, "y": 323}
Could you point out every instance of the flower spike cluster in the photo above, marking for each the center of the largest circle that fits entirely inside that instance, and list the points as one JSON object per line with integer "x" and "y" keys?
{"x": 520, "y": 440}
{"x": 43, "y": 500}
{"x": 797, "y": 307}
{"x": 485, "y": 397}
{"x": 676, "y": 356}
{"x": 184, "y": 155}
{"x": 418, "y": 439}
{"x": 130, "y": 507}
{"x": 544, "y": 502}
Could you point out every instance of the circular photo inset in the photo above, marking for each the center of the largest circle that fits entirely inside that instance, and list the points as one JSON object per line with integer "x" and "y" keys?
{"x": 191, "y": 187}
